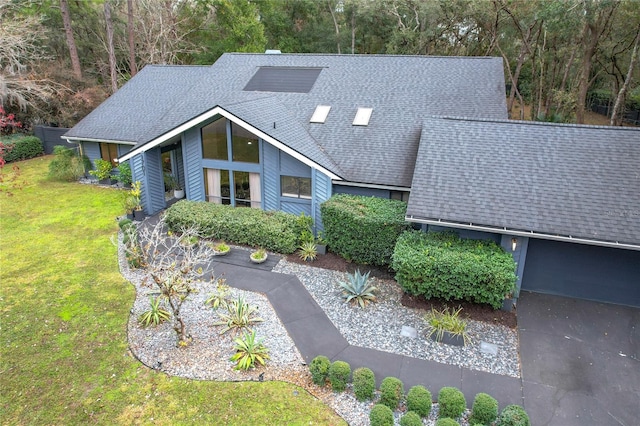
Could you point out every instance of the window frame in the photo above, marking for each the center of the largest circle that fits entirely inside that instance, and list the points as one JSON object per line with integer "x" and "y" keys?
{"x": 298, "y": 185}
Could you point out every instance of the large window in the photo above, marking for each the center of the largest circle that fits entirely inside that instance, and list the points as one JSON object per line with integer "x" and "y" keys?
{"x": 214, "y": 140}
{"x": 109, "y": 152}
{"x": 246, "y": 188}
{"x": 244, "y": 145}
{"x": 295, "y": 187}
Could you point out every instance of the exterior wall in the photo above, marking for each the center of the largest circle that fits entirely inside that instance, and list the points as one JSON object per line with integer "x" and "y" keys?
{"x": 357, "y": 190}
{"x": 192, "y": 161}
{"x": 91, "y": 150}
{"x": 152, "y": 182}
{"x": 322, "y": 189}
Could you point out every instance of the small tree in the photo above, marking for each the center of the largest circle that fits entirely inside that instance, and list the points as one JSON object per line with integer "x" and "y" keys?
{"x": 173, "y": 266}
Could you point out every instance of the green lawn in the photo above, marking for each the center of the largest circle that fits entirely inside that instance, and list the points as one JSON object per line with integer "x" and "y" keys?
{"x": 64, "y": 309}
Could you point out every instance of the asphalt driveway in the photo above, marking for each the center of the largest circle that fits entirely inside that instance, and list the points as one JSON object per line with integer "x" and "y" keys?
{"x": 580, "y": 361}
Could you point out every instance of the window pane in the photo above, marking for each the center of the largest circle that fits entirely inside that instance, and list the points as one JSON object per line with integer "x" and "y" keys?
{"x": 295, "y": 187}
{"x": 243, "y": 189}
{"x": 244, "y": 145}
{"x": 214, "y": 140}
{"x": 216, "y": 184}
{"x": 305, "y": 188}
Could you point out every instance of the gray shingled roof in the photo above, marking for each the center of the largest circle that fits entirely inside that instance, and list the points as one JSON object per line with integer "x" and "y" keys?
{"x": 402, "y": 90}
{"x": 567, "y": 180}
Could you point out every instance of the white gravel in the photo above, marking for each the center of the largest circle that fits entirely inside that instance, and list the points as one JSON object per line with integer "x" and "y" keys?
{"x": 378, "y": 327}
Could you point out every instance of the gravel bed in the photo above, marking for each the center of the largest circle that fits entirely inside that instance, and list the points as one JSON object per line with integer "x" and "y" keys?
{"x": 378, "y": 326}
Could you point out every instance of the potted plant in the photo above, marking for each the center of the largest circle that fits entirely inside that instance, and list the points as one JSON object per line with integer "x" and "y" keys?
{"x": 221, "y": 248}
{"x": 321, "y": 244}
{"x": 130, "y": 205}
{"x": 102, "y": 171}
{"x": 508, "y": 302}
{"x": 135, "y": 193}
{"x": 171, "y": 183}
{"x": 307, "y": 251}
{"x": 447, "y": 327}
{"x": 258, "y": 256}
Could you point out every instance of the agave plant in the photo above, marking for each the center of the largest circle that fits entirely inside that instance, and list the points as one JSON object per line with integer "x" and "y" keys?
{"x": 249, "y": 351}
{"x": 155, "y": 315}
{"x": 307, "y": 251}
{"x": 239, "y": 315}
{"x": 219, "y": 296}
{"x": 358, "y": 289}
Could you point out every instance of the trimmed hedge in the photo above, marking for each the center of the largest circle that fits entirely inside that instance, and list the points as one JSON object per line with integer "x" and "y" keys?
{"x": 411, "y": 419}
{"x": 419, "y": 400}
{"x": 339, "y": 373}
{"x": 363, "y": 229}
{"x": 446, "y": 421}
{"x": 451, "y": 402}
{"x": 513, "y": 415}
{"x": 391, "y": 392}
{"x": 319, "y": 369}
{"x": 23, "y": 148}
{"x": 381, "y": 415}
{"x": 484, "y": 410}
{"x": 272, "y": 230}
{"x": 364, "y": 383}
{"x": 442, "y": 265}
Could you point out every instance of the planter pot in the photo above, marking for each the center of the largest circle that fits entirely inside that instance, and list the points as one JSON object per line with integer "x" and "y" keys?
{"x": 138, "y": 215}
{"x": 258, "y": 260}
{"x": 178, "y": 194}
{"x": 449, "y": 339}
{"x": 130, "y": 216}
{"x": 221, "y": 253}
{"x": 321, "y": 248}
{"x": 507, "y": 304}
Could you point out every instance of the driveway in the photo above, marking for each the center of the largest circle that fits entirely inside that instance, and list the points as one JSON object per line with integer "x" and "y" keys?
{"x": 580, "y": 361}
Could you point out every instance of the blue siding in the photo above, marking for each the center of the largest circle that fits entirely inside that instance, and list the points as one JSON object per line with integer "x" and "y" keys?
{"x": 321, "y": 193}
{"x": 179, "y": 165}
{"x": 137, "y": 168}
{"x": 270, "y": 177}
{"x": 519, "y": 255}
{"x": 192, "y": 157}
{"x": 91, "y": 150}
{"x": 153, "y": 185}
{"x": 123, "y": 149}
{"x": 357, "y": 190}
{"x": 289, "y": 166}
{"x": 296, "y": 208}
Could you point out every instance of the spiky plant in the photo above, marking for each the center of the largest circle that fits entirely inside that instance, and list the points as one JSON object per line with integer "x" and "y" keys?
{"x": 239, "y": 314}
{"x": 249, "y": 351}
{"x": 156, "y": 315}
{"x": 449, "y": 321}
{"x": 358, "y": 289}
{"x": 219, "y": 296}
{"x": 307, "y": 251}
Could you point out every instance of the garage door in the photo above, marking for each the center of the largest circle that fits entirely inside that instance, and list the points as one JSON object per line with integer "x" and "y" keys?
{"x": 586, "y": 272}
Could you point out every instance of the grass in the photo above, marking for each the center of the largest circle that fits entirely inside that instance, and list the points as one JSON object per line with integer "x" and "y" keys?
{"x": 63, "y": 313}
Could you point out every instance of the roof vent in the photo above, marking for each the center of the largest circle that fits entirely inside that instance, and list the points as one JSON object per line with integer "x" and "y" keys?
{"x": 320, "y": 114}
{"x": 272, "y": 52}
{"x": 362, "y": 117}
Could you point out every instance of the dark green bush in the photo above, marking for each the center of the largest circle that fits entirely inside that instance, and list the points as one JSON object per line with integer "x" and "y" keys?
{"x": 452, "y": 402}
{"x": 272, "y": 230}
{"x": 124, "y": 222}
{"x": 513, "y": 415}
{"x": 447, "y": 421}
{"x": 67, "y": 166}
{"x": 411, "y": 419}
{"x": 442, "y": 265}
{"x": 339, "y": 373}
{"x": 419, "y": 400}
{"x": 319, "y": 369}
{"x": 363, "y": 229}
{"x": 23, "y": 148}
{"x": 484, "y": 410}
{"x": 124, "y": 175}
{"x": 364, "y": 383}
{"x": 391, "y": 392}
{"x": 381, "y": 415}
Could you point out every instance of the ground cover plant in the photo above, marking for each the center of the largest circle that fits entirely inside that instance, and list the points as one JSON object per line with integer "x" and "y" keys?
{"x": 64, "y": 309}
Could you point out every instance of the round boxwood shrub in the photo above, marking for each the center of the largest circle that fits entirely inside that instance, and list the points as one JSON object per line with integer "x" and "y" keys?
{"x": 452, "y": 402}
{"x": 484, "y": 410}
{"x": 364, "y": 383}
{"x": 319, "y": 369}
{"x": 381, "y": 415}
{"x": 447, "y": 421}
{"x": 391, "y": 391}
{"x": 513, "y": 415}
{"x": 411, "y": 419}
{"x": 419, "y": 400}
{"x": 339, "y": 373}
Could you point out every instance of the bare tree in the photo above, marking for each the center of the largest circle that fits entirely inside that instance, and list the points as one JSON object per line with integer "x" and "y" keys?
{"x": 133, "y": 66}
{"x": 615, "y": 118}
{"x": 71, "y": 42}
{"x": 173, "y": 263}
{"x": 112, "y": 53}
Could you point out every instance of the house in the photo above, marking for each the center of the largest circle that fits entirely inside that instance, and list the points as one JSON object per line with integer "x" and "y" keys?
{"x": 285, "y": 132}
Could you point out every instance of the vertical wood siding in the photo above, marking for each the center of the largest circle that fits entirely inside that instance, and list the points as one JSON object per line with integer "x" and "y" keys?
{"x": 192, "y": 157}
{"x": 91, "y": 150}
{"x": 154, "y": 182}
{"x": 321, "y": 193}
{"x": 271, "y": 177}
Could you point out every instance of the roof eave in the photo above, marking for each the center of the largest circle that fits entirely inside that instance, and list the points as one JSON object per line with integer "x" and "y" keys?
{"x": 522, "y": 233}
{"x": 74, "y": 139}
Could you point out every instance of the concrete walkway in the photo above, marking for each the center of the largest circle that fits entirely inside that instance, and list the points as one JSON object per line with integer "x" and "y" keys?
{"x": 314, "y": 334}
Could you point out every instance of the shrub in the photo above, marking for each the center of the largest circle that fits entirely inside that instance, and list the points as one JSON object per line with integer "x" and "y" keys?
{"x": 124, "y": 175}
{"x": 124, "y": 223}
{"x": 249, "y": 351}
{"x": 339, "y": 373}
{"x": 155, "y": 315}
{"x": 381, "y": 415}
{"x": 358, "y": 289}
{"x": 452, "y": 403}
{"x": 364, "y": 383}
{"x": 239, "y": 314}
{"x": 484, "y": 410}
{"x": 272, "y": 230}
{"x": 23, "y": 148}
{"x": 67, "y": 166}
{"x": 411, "y": 419}
{"x": 513, "y": 415}
{"x": 363, "y": 229}
{"x": 103, "y": 169}
{"x": 319, "y": 370}
{"x": 440, "y": 264}
{"x": 307, "y": 251}
{"x": 447, "y": 421}
{"x": 419, "y": 400}
{"x": 391, "y": 391}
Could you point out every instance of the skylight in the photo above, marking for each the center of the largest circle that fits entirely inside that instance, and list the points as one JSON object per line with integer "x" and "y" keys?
{"x": 362, "y": 117}
{"x": 283, "y": 79}
{"x": 320, "y": 114}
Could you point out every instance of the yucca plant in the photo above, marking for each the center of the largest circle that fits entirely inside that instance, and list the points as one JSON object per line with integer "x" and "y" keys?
{"x": 155, "y": 315}
{"x": 307, "y": 251}
{"x": 449, "y": 321}
{"x": 219, "y": 296}
{"x": 249, "y": 351}
{"x": 358, "y": 289}
{"x": 239, "y": 314}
